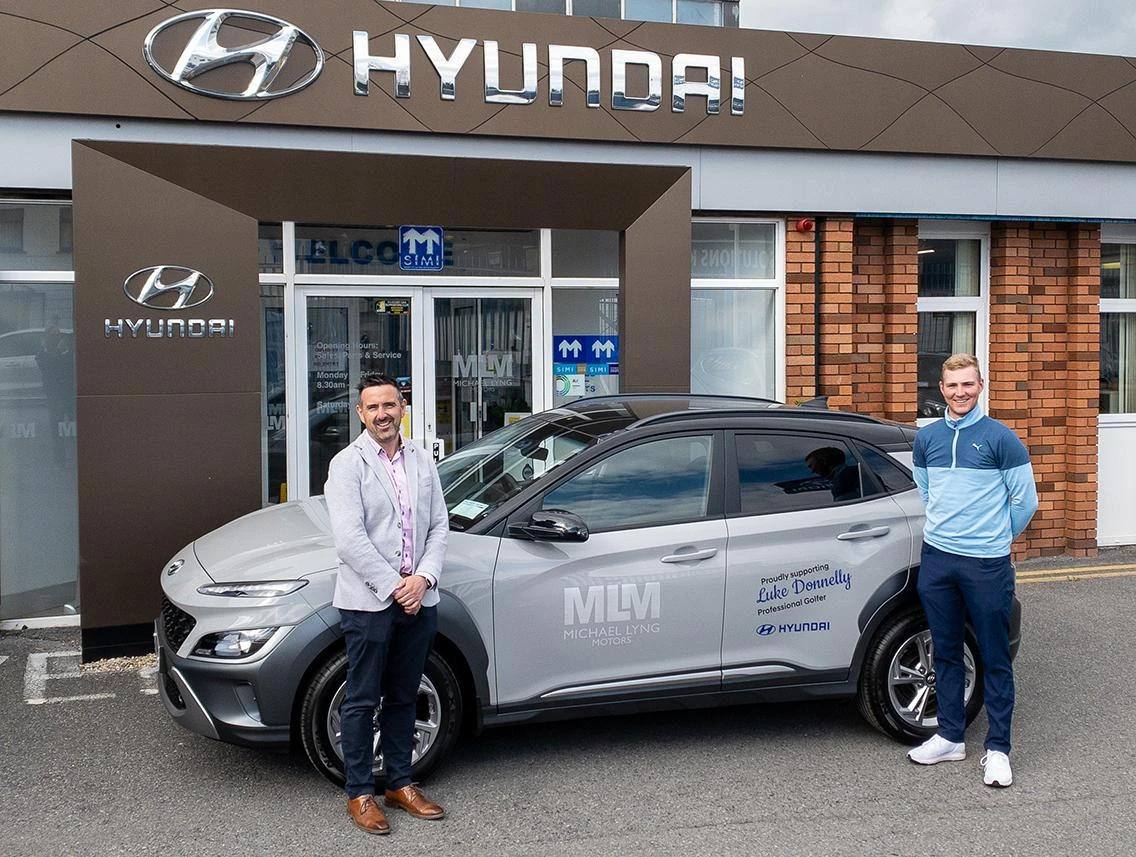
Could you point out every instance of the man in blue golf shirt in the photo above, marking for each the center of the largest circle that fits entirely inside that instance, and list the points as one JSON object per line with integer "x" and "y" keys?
{"x": 978, "y": 486}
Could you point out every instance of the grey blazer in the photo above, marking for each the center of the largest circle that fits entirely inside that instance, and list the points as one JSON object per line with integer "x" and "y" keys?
{"x": 366, "y": 526}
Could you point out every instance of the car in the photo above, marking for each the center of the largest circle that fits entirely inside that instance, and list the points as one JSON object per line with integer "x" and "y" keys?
{"x": 618, "y": 554}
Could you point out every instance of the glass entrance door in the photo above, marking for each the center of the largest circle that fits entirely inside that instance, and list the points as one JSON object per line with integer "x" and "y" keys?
{"x": 483, "y": 359}
{"x": 465, "y": 363}
{"x": 347, "y": 337}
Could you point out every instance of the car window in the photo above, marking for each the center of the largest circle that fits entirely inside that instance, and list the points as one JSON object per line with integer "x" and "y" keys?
{"x": 890, "y": 473}
{"x": 781, "y": 472}
{"x": 660, "y": 481}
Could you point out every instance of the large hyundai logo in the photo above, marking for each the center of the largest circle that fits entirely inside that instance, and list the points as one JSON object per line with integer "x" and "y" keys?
{"x": 168, "y": 287}
{"x": 202, "y": 52}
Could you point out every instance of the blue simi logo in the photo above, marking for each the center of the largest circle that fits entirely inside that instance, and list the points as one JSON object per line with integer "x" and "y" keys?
{"x": 420, "y": 248}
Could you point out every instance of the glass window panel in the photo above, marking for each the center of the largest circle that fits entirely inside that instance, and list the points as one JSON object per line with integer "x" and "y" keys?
{"x": 556, "y": 7}
{"x": 950, "y": 268}
{"x": 658, "y": 482}
{"x": 39, "y": 505}
{"x": 348, "y": 337}
{"x": 1118, "y": 363}
{"x": 941, "y": 334}
{"x": 596, "y": 8}
{"x": 584, "y": 313}
{"x": 506, "y": 5}
{"x": 733, "y": 251}
{"x": 706, "y": 12}
{"x": 732, "y": 342}
{"x": 784, "y": 473}
{"x": 483, "y": 371}
{"x": 270, "y": 248}
{"x": 1118, "y": 270}
{"x": 647, "y": 10}
{"x": 585, "y": 253}
{"x": 275, "y": 423}
{"x": 35, "y": 236}
{"x": 375, "y": 250}
{"x": 885, "y": 468}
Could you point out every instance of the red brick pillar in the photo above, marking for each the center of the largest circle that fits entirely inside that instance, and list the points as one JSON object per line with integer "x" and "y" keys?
{"x": 800, "y": 256}
{"x": 885, "y": 281}
{"x": 838, "y": 358}
{"x": 1042, "y": 377}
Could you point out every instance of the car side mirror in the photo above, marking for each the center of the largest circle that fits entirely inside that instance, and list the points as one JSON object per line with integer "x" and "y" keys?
{"x": 551, "y": 525}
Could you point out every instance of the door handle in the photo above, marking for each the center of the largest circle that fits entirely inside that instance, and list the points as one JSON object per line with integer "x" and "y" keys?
{"x": 693, "y": 555}
{"x": 866, "y": 533}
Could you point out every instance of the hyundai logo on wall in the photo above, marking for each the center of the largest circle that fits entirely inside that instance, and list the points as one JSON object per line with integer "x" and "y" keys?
{"x": 225, "y": 40}
{"x": 168, "y": 287}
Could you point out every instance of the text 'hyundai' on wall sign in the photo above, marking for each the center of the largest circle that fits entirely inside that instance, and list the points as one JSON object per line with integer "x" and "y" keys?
{"x": 420, "y": 248}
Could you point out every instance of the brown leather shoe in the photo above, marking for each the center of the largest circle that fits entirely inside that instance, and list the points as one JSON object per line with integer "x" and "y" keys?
{"x": 414, "y": 802}
{"x": 365, "y": 812}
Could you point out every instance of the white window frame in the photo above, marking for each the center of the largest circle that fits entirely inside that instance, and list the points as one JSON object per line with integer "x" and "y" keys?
{"x": 776, "y": 284}
{"x": 1118, "y": 233}
{"x": 960, "y": 230}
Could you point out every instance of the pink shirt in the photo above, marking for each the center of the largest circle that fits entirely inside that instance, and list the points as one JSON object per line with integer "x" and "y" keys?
{"x": 396, "y": 469}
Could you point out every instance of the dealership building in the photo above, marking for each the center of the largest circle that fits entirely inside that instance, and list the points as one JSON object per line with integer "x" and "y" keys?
{"x": 212, "y": 222}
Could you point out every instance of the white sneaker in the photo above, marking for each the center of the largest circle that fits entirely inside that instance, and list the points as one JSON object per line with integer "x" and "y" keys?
{"x": 937, "y": 749}
{"x": 996, "y": 769}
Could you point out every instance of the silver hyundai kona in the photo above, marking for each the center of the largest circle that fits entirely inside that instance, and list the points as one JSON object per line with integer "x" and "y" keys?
{"x": 618, "y": 554}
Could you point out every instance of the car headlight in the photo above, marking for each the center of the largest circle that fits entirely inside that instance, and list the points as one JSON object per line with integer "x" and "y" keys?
{"x": 258, "y": 589}
{"x": 233, "y": 644}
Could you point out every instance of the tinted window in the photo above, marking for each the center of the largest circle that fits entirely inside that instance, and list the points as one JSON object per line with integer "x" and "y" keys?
{"x": 887, "y": 470}
{"x": 656, "y": 482}
{"x": 780, "y": 473}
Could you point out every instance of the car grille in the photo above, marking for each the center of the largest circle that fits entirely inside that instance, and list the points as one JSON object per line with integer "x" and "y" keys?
{"x": 177, "y": 622}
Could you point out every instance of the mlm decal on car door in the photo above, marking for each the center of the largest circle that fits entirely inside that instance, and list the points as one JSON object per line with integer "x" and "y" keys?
{"x": 611, "y": 615}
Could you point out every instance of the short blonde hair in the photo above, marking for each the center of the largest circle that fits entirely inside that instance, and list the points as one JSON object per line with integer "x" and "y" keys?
{"x": 961, "y": 361}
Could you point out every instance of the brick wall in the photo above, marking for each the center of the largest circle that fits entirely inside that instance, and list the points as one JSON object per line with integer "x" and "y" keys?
{"x": 1044, "y": 346}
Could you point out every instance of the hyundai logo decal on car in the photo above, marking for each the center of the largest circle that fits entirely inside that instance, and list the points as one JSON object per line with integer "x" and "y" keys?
{"x": 149, "y": 288}
{"x": 203, "y": 52}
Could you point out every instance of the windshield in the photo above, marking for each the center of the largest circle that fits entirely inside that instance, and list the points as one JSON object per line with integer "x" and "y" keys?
{"x": 480, "y": 477}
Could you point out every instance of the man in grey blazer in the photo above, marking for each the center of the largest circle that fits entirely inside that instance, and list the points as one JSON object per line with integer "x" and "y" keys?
{"x": 389, "y": 521}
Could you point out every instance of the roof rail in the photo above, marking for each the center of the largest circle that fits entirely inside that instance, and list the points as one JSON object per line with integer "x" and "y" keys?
{"x": 770, "y": 413}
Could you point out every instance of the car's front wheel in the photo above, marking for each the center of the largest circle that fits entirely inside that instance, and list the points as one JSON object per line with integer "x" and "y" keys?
{"x": 437, "y": 721}
{"x": 897, "y": 686}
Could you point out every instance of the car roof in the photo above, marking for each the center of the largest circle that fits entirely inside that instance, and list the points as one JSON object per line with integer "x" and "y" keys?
{"x": 659, "y": 409}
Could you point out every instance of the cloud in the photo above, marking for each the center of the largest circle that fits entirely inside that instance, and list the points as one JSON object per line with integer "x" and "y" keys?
{"x": 1105, "y": 26}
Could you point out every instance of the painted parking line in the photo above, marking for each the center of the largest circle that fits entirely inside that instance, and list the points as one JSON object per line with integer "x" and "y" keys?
{"x": 39, "y": 671}
{"x": 1087, "y": 572}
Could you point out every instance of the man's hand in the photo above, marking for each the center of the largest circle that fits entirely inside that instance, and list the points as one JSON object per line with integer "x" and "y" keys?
{"x": 409, "y": 593}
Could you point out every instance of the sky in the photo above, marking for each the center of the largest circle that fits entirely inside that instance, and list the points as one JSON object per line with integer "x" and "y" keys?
{"x": 1084, "y": 26}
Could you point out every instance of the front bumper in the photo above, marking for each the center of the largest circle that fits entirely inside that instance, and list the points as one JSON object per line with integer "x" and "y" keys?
{"x": 249, "y": 704}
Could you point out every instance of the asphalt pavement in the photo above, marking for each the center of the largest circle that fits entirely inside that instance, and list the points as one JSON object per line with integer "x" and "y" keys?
{"x": 91, "y": 764}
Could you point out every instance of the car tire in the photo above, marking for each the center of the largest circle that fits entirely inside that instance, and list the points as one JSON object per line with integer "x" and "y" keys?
{"x": 897, "y": 684}
{"x": 437, "y": 723}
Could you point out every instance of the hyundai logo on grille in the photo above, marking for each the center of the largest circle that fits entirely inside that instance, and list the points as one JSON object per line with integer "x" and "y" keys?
{"x": 202, "y": 51}
{"x": 168, "y": 287}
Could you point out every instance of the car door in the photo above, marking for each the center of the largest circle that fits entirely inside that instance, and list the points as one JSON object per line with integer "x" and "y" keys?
{"x": 636, "y": 609}
{"x": 814, "y": 535}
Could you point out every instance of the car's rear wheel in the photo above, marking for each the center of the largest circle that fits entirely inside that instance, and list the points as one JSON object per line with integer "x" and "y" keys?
{"x": 437, "y": 721}
{"x": 897, "y": 686}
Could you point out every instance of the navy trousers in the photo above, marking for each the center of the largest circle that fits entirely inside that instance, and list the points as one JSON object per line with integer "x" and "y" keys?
{"x": 951, "y": 588}
{"x": 386, "y": 653}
